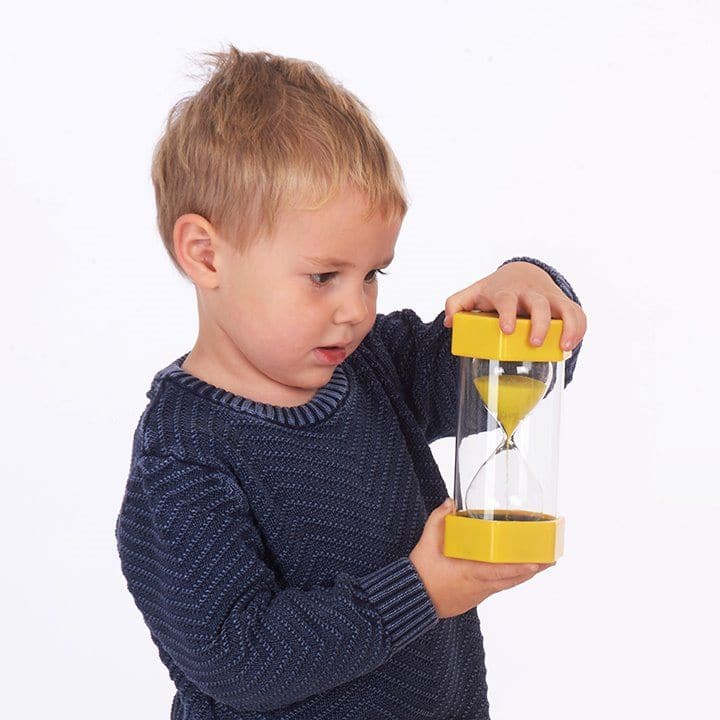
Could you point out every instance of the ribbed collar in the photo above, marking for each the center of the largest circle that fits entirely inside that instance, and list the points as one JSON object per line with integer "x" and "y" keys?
{"x": 325, "y": 401}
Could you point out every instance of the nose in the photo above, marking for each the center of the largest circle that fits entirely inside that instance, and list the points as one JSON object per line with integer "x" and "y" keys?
{"x": 353, "y": 307}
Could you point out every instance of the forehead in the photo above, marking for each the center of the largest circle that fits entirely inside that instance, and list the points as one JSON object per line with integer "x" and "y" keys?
{"x": 339, "y": 232}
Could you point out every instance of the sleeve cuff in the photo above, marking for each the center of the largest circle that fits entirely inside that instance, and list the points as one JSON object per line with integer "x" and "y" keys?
{"x": 399, "y": 596}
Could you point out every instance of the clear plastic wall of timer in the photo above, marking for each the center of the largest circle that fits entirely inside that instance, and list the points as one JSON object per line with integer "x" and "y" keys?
{"x": 506, "y": 452}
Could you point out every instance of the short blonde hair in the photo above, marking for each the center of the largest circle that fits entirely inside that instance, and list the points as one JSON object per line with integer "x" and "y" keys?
{"x": 265, "y": 133}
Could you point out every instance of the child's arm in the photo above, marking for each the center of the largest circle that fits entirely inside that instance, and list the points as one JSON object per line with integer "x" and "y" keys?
{"x": 195, "y": 563}
{"x": 427, "y": 370}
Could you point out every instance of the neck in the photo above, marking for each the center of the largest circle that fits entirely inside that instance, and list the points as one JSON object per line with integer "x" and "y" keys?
{"x": 217, "y": 360}
{"x": 236, "y": 375}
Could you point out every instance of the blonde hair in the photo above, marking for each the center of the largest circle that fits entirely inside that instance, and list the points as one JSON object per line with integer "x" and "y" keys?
{"x": 262, "y": 134}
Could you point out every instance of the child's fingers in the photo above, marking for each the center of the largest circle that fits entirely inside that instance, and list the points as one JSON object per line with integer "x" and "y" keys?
{"x": 523, "y": 573}
{"x": 514, "y": 573}
{"x": 508, "y": 582}
{"x": 545, "y": 566}
{"x": 506, "y": 304}
{"x": 573, "y": 318}
{"x": 503, "y": 571}
{"x": 540, "y": 316}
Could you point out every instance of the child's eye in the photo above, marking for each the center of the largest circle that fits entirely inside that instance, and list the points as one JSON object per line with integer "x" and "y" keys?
{"x": 321, "y": 279}
{"x": 372, "y": 275}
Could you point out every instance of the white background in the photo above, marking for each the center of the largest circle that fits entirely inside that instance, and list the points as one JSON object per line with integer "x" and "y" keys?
{"x": 585, "y": 134}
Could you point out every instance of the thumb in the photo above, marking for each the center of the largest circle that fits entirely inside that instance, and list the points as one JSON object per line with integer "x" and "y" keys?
{"x": 444, "y": 509}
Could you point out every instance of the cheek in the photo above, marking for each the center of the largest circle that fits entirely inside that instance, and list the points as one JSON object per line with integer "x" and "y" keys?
{"x": 372, "y": 311}
{"x": 298, "y": 319}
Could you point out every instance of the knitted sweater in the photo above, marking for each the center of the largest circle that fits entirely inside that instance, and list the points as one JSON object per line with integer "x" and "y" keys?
{"x": 267, "y": 547}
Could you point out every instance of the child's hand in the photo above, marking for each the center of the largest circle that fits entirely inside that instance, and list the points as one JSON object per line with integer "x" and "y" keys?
{"x": 456, "y": 585}
{"x": 522, "y": 285}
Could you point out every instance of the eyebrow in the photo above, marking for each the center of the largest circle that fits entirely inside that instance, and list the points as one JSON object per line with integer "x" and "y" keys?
{"x": 341, "y": 263}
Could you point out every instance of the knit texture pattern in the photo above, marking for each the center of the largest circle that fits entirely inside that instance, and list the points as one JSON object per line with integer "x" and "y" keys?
{"x": 267, "y": 548}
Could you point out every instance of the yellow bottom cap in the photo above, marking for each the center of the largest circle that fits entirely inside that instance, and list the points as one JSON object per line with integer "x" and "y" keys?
{"x": 531, "y": 538}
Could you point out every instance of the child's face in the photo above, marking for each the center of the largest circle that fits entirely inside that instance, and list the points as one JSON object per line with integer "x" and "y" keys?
{"x": 287, "y": 296}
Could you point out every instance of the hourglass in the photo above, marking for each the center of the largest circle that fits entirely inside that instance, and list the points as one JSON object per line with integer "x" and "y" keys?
{"x": 509, "y": 391}
{"x": 509, "y": 394}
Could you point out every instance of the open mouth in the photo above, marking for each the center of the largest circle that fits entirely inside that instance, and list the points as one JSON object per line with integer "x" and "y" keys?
{"x": 333, "y": 354}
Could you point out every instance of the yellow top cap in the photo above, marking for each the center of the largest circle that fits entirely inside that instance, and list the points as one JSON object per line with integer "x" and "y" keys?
{"x": 477, "y": 334}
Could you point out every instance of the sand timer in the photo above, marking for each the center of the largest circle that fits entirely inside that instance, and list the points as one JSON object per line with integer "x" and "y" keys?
{"x": 506, "y": 453}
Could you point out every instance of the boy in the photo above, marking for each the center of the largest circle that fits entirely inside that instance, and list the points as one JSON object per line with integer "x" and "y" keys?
{"x": 281, "y": 530}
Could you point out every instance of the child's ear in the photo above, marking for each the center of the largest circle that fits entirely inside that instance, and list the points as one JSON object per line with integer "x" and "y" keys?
{"x": 195, "y": 243}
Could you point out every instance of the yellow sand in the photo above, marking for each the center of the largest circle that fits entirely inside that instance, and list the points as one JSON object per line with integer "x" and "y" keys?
{"x": 517, "y": 395}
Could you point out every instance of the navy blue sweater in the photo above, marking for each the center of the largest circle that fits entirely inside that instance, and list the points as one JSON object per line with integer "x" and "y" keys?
{"x": 267, "y": 547}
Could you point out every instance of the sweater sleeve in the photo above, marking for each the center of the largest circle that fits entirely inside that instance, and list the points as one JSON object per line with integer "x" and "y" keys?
{"x": 197, "y": 568}
{"x": 427, "y": 370}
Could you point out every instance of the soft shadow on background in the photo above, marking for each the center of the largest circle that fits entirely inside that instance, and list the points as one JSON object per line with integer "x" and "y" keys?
{"x": 584, "y": 134}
